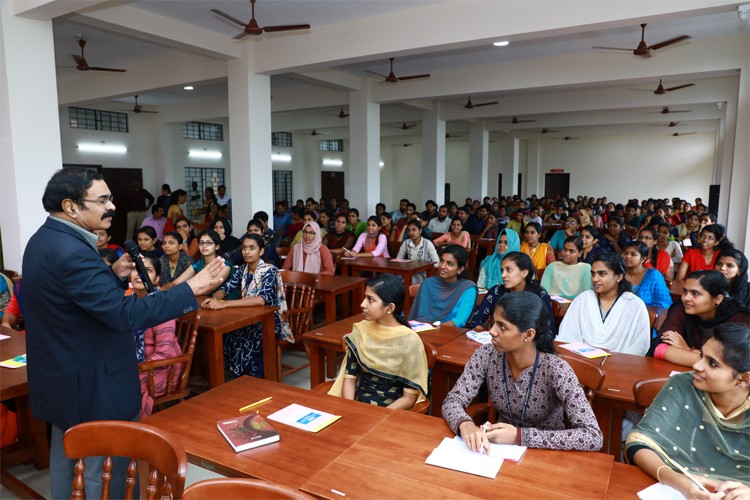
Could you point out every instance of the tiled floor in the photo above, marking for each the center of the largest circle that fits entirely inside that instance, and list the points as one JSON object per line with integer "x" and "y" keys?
{"x": 39, "y": 480}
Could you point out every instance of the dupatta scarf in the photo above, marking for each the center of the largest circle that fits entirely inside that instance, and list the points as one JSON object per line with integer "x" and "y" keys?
{"x": 252, "y": 287}
{"x": 437, "y": 298}
{"x": 491, "y": 265}
{"x": 311, "y": 264}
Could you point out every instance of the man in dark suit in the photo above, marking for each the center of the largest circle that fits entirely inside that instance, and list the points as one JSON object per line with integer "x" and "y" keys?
{"x": 81, "y": 353}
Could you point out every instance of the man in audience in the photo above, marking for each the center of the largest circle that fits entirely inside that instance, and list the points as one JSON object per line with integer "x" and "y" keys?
{"x": 282, "y": 218}
{"x": 441, "y": 223}
{"x": 452, "y": 209}
{"x": 156, "y": 220}
{"x": 379, "y": 209}
{"x": 223, "y": 198}
{"x": 137, "y": 203}
{"x": 269, "y": 235}
{"x": 631, "y": 215}
{"x": 333, "y": 207}
{"x": 431, "y": 210}
{"x": 401, "y": 212}
{"x": 411, "y": 209}
{"x": 472, "y": 224}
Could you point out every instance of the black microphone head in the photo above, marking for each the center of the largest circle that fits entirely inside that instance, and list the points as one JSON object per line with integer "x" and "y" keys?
{"x": 132, "y": 249}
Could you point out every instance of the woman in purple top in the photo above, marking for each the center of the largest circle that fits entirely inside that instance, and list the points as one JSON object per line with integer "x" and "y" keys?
{"x": 536, "y": 394}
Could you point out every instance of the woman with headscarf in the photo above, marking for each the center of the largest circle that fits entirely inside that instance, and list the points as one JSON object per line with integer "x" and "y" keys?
{"x": 490, "y": 273}
{"x": 310, "y": 255}
{"x": 733, "y": 265}
{"x": 223, "y": 228}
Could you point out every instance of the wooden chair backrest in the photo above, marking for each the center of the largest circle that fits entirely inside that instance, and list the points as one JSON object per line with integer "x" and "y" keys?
{"x": 236, "y": 487}
{"x": 300, "y": 299}
{"x": 414, "y": 290}
{"x": 308, "y": 279}
{"x": 282, "y": 251}
{"x": 113, "y": 438}
{"x": 186, "y": 332}
{"x": 645, "y": 390}
{"x": 589, "y": 375}
{"x": 653, "y": 315}
{"x": 436, "y": 235}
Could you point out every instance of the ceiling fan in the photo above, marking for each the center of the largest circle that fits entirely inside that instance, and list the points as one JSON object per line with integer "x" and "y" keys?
{"x": 661, "y": 90}
{"x": 252, "y": 27}
{"x": 82, "y": 65}
{"x": 567, "y": 138}
{"x": 670, "y": 124}
{"x": 643, "y": 49}
{"x": 392, "y": 78}
{"x": 406, "y": 145}
{"x": 471, "y": 105}
{"x": 677, "y": 134}
{"x": 404, "y": 126}
{"x": 315, "y": 132}
{"x": 139, "y": 109}
{"x": 451, "y": 136}
{"x": 515, "y": 120}
{"x": 665, "y": 111}
{"x": 342, "y": 114}
{"x": 547, "y": 131}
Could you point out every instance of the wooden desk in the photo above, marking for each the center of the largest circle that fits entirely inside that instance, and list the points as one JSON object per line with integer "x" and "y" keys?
{"x": 324, "y": 342}
{"x": 214, "y": 324}
{"x": 676, "y": 290}
{"x": 449, "y": 365}
{"x": 382, "y": 265}
{"x": 389, "y": 463}
{"x": 294, "y": 459}
{"x": 626, "y": 481}
{"x": 330, "y": 287}
{"x": 32, "y": 437}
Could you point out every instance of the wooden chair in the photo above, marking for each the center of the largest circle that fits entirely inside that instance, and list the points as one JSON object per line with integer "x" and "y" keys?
{"x": 235, "y": 487}
{"x": 471, "y": 264}
{"x": 653, "y": 315}
{"x": 186, "y": 331}
{"x": 113, "y": 438}
{"x": 393, "y": 248}
{"x": 282, "y": 252}
{"x": 414, "y": 290}
{"x": 589, "y": 375}
{"x": 645, "y": 390}
{"x": 300, "y": 300}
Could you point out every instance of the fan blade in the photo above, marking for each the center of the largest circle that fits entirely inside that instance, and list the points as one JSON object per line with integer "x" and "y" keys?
{"x": 97, "y": 68}
{"x": 379, "y": 75}
{"x": 288, "y": 27}
{"x": 610, "y": 48}
{"x": 665, "y": 43}
{"x": 80, "y": 60}
{"x": 227, "y": 16}
{"x": 677, "y": 134}
{"x": 524, "y": 121}
{"x": 413, "y": 77}
{"x": 485, "y": 104}
{"x": 239, "y": 36}
{"x": 671, "y": 89}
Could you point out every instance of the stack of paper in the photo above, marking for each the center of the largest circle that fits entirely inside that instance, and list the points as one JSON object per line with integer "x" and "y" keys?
{"x": 585, "y": 350}
{"x": 420, "y": 327}
{"x": 17, "y": 362}
{"x": 452, "y": 454}
{"x": 481, "y": 337}
{"x": 509, "y": 452}
{"x": 660, "y": 491}
{"x": 304, "y": 418}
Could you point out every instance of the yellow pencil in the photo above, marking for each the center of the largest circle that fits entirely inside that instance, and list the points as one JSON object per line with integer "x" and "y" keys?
{"x": 255, "y": 404}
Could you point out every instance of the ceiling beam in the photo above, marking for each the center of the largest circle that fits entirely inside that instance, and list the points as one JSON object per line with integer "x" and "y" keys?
{"x": 44, "y": 10}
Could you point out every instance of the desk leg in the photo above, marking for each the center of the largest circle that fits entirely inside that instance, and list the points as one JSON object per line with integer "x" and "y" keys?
{"x": 215, "y": 349}
{"x": 330, "y": 303}
{"x": 407, "y": 297}
{"x": 358, "y": 295}
{"x": 615, "y": 436}
{"x": 270, "y": 359}
{"x": 316, "y": 367}
{"x": 603, "y": 412}
{"x": 439, "y": 389}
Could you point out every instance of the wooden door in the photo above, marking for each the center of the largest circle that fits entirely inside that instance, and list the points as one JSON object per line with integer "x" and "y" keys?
{"x": 332, "y": 185}
{"x": 556, "y": 184}
{"x": 120, "y": 181}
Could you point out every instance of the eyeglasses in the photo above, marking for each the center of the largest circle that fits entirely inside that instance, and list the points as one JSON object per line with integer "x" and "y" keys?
{"x": 571, "y": 222}
{"x": 308, "y": 233}
{"x": 205, "y": 243}
{"x": 102, "y": 200}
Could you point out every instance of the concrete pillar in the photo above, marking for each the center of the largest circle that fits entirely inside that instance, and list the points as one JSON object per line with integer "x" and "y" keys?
{"x": 433, "y": 156}
{"x": 478, "y": 155}
{"x": 510, "y": 156}
{"x": 364, "y": 153}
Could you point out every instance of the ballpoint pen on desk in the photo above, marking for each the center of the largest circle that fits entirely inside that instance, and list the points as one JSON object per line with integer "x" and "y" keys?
{"x": 690, "y": 477}
{"x": 485, "y": 427}
{"x": 244, "y": 408}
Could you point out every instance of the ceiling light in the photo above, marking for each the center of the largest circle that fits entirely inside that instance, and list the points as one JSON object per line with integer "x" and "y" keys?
{"x": 502, "y": 43}
{"x": 332, "y": 162}
{"x": 102, "y": 148}
{"x": 209, "y": 155}
{"x": 280, "y": 157}
{"x": 381, "y": 164}
{"x": 743, "y": 12}
{"x": 188, "y": 87}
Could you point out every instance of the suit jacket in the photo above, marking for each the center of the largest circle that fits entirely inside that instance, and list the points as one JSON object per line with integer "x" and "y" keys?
{"x": 79, "y": 329}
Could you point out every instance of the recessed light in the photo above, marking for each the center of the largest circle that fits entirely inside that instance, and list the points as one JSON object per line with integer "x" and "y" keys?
{"x": 502, "y": 43}
{"x": 188, "y": 87}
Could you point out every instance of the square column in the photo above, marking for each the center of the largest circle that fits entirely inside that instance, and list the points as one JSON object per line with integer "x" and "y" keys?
{"x": 433, "y": 156}
{"x": 510, "y": 158}
{"x": 478, "y": 154}
{"x": 364, "y": 154}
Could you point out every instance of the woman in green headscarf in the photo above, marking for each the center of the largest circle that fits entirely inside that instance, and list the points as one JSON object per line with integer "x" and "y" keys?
{"x": 490, "y": 273}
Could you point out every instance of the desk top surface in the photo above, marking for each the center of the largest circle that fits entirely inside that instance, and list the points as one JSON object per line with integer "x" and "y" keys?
{"x": 391, "y": 459}
{"x": 232, "y": 318}
{"x": 12, "y": 380}
{"x": 383, "y": 264}
{"x": 333, "y": 283}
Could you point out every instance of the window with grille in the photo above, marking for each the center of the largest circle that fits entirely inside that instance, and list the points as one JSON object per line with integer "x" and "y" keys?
{"x": 332, "y": 145}
{"x": 203, "y": 131}
{"x": 281, "y": 139}
{"x": 95, "y": 119}
{"x": 282, "y": 186}
{"x": 197, "y": 179}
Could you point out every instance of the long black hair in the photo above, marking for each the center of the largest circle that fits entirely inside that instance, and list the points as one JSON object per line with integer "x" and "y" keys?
{"x": 715, "y": 284}
{"x": 461, "y": 255}
{"x": 390, "y": 289}
{"x": 523, "y": 262}
{"x": 525, "y": 310}
{"x": 654, "y": 251}
{"x": 739, "y": 281}
{"x": 735, "y": 342}
{"x": 615, "y": 264}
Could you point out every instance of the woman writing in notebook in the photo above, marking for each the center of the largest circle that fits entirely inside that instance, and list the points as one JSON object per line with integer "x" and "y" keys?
{"x": 701, "y": 421}
{"x": 385, "y": 362}
{"x": 538, "y": 399}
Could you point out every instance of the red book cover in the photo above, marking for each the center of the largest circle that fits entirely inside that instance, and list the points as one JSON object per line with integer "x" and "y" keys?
{"x": 245, "y": 433}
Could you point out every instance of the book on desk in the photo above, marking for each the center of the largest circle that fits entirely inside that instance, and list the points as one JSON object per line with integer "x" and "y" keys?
{"x": 247, "y": 432}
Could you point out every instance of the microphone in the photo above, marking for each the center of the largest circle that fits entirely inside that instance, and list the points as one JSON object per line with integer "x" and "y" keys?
{"x": 134, "y": 253}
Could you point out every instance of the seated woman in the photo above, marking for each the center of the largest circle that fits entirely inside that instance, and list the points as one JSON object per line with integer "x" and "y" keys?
{"x": 490, "y": 272}
{"x": 371, "y": 243}
{"x": 310, "y": 256}
{"x": 699, "y": 420}
{"x": 704, "y": 257}
{"x": 146, "y": 239}
{"x": 490, "y": 227}
{"x": 174, "y": 212}
{"x": 325, "y": 222}
{"x": 456, "y": 236}
{"x": 557, "y": 242}
{"x": 260, "y": 285}
{"x": 387, "y": 227}
{"x": 208, "y": 242}
{"x": 385, "y": 363}
{"x": 705, "y": 305}
{"x": 656, "y": 259}
{"x": 340, "y": 237}
{"x": 174, "y": 262}
{"x": 568, "y": 278}
{"x": 609, "y": 316}
{"x": 518, "y": 276}
{"x": 615, "y": 238}
{"x": 541, "y": 253}
{"x": 536, "y": 394}
{"x": 447, "y": 297}
{"x": 591, "y": 249}
{"x": 690, "y": 226}
{"x": 665, "y": 242}
{"x": 189, "y": 240}
{"x": 733, "y": 265}
{"x": 223, "y": 228}
{"x": 647, "y": 283}
{"x": 158, "y": 342}
{"x": 417, "y": 248}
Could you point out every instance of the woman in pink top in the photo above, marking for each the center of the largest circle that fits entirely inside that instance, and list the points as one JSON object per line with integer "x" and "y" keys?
{"x": 310, "y": 255}
{"x": 456, "y": 236}
{"x": 371, "y": 243}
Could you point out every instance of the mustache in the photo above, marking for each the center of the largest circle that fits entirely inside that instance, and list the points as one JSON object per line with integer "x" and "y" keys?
{"x": 108, "y": 214}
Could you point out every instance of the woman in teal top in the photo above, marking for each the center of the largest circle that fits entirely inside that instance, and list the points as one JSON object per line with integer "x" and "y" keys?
{"x": 447, "y": 297}
{"x": 557, "y": 242}
{"x": 490, "y": 272}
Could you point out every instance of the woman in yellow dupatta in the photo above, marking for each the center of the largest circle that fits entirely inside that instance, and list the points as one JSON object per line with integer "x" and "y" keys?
{"x": 385, "y": 362}
{"x": 541, "y": 253}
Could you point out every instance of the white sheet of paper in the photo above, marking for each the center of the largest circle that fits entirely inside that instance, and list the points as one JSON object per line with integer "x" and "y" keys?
{"x": 452, "y": 455}
{"x": 511, "y": 452}
{"x": 3, "y": 337}
{"x": 660, "y": 491}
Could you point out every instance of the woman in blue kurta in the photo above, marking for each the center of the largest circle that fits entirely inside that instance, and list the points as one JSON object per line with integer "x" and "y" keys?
{"x": 647, "y": 283}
